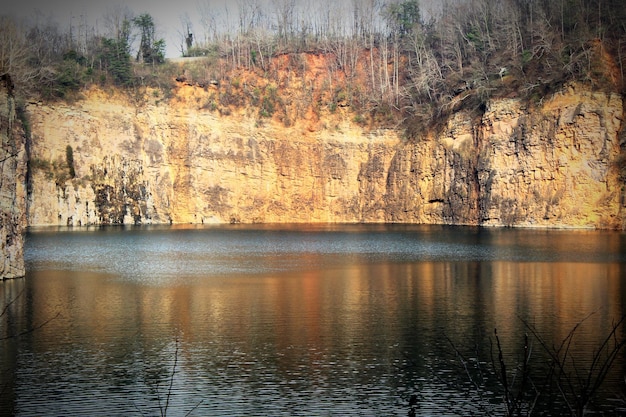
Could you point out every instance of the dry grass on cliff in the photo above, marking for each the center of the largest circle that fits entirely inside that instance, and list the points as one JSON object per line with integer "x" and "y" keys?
{"x": 297, "y": 88}
{"x": 315, "y": 88}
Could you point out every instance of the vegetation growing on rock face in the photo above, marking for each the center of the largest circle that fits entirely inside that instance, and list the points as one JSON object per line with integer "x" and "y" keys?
{"x": 69, "y": 158}
{"x": 393, "y": 59}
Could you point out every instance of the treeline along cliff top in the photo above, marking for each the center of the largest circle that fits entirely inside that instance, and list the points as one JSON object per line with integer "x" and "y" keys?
{"x": 392, "y": 61}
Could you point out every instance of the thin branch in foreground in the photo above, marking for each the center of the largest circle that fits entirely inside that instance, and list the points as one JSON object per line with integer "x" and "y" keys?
{"x": 577, "y": 390}
{"x": 6, "y": 307}
{"x": 169, "y": 390}
{"x": 32, "y": 329}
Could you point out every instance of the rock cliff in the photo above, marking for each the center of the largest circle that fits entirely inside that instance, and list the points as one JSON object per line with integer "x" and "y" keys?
{"x": 110, "y": 159}
{"x": 12, "y": 182}
{"x": 556, "y": 164}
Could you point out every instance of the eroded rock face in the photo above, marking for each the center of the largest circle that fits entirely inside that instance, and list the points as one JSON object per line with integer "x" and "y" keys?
{"x": 177, "y": 163}
{"x": 556, "y": 165}
{"x": 12, "y": 182}
{"x": 552, "y": 165}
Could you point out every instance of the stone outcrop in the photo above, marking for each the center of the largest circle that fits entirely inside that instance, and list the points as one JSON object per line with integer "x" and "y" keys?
{"x": 12, "y": 182}
{"x": 108, "y": 160}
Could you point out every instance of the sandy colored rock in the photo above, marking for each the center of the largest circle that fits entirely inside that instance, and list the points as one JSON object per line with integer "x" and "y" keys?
{"x": 177, "y": 163}
{"x": 551, "y": 165}
{"x": 12, "y": 185}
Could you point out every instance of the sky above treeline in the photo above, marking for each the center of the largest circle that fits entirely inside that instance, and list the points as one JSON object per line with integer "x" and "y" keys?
{"x": 169, "y": 16}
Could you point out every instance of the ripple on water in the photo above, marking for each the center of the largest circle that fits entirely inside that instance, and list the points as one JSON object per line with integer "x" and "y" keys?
{"x": 290, "y": 322}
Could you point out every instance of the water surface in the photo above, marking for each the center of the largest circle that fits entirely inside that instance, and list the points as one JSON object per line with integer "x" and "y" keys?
{"x": 294, "y": 320}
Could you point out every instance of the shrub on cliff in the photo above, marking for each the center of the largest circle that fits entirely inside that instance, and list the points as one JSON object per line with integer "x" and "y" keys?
{"x": 69, "y": 157}
{"x": 116, "y": 61}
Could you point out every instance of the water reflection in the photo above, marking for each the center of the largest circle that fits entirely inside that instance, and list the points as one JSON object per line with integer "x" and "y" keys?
{"x": 290, "y": 323}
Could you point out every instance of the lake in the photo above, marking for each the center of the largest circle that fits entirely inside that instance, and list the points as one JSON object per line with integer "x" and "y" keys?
{"x": 303, "y": 320}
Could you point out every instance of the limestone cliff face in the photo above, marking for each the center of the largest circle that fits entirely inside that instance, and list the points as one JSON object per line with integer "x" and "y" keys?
{"x": 106, "y": 159}
{"x": 175, "y": 162}
{"x": 556, "y": 165}
{"x": 12, "y": 182}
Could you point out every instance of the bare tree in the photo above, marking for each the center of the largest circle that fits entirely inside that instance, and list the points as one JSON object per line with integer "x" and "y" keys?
{"x": 186, "y": 35}
{"x": 208, "y": 18}
{"x": 284, "y": 11}
{"x": 424, "y": 69}
{"x": 116, "y": 21}
{"x": 15, "y": 55}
